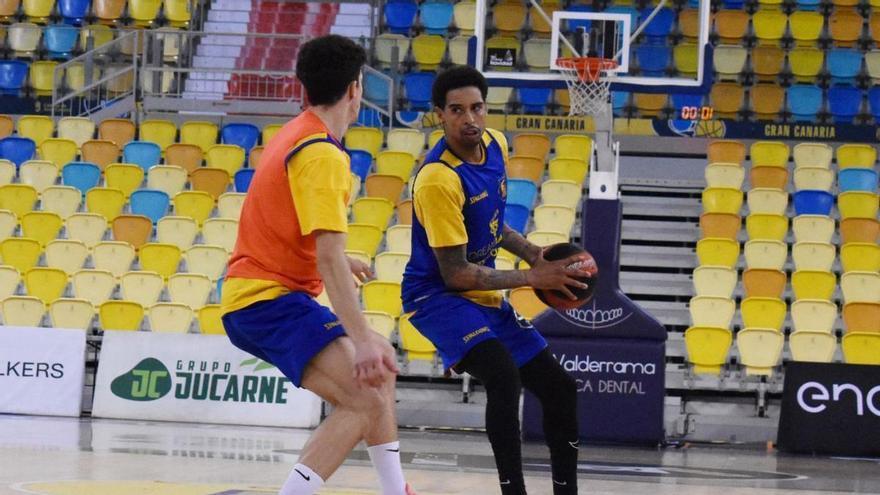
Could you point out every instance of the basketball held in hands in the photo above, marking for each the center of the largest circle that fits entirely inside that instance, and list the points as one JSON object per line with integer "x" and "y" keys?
{"x": 585, "y": 262}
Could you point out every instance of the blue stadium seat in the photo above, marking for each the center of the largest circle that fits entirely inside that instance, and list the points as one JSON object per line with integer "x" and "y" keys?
{"x": 681, "y": 100}
{"x": 805, "y": 102}
{"x": 874, "y": 102}
{"x": 436, "y": 15}
{"x": 728, "y": 4}
{"x": 844, "y": 65}
{"x": 81, "y": 175}
{"x": 243, "y": 135}
{"x": 619, "y": 100}
{"x": 808, "y": 5}
{"x": 516, "y": 217}
{"x": 243, "y": 179}
{"x": 418, "y": 89}
{"x": 857, "y": 179}
{"x": 60, "y": 40}
{"x": 369, "y": 117}
{"x": 844, "y": 103}
{"x": 142, "y": 153}
{"x": 660, "y": 26}
{"x": 400, "y": 15}
{"x": 73, "y": 11}
{"x": 12, "y": 76}
{"x": 534, "y": 100}
{"x": 376, "y": 89}
{"x": 361, "y": 162}
{"x": 653, "y": 59}
{"x": 813, "y": 202}
{"x": 150, "y": 203}
{"x": 632, "y": 12}
{"x": 521, "y": 192}
{"x": 585, "y": 24}
{"x": 17, "y": 149}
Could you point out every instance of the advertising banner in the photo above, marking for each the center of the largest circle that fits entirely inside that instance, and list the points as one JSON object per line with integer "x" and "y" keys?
{"x": 42, "y": 371}
{"x": 198, "y": 378}
{"x": 830, "y": 409}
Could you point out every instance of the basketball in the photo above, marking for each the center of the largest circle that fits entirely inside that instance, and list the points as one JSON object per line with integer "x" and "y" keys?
{"x": 556, "y": 299}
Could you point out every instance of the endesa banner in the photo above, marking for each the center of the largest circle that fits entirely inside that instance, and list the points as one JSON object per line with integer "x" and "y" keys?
{"x": 42, "y": 371}
{"x": 197, "y": 378}
{"x": 830, "y": 409}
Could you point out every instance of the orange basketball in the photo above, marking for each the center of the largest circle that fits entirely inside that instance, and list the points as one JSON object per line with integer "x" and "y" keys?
{"x": 556, "y": 299}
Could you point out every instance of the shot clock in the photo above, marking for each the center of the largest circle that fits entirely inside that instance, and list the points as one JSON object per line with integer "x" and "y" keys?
{"x": 697, "y": 113}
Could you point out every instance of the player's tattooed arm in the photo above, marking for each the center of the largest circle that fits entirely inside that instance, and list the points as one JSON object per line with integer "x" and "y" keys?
{"x": 514, "y": 242}
{"x": 461, "y": 275}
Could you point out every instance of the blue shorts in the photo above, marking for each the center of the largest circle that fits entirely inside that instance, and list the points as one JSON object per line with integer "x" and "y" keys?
{"x": 455, "y": 325}
{"x": 287, "y": 332}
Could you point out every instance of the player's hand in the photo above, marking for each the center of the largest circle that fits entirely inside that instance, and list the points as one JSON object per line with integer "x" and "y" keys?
{"x": 374, "y": 360}
{"x": 556, "y": 275}
{"x": 360, "y": 270}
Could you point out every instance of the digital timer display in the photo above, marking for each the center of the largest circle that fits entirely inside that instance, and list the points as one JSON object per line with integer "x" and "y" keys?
{"x": 697, "y": 113}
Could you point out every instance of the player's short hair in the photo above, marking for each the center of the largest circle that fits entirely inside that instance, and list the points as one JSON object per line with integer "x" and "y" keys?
{"x": 326, "y": 66}
{"x": 460, "y": 76}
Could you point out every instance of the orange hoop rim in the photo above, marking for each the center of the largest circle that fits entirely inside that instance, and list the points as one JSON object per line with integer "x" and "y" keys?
{"x": 587, "y": 68}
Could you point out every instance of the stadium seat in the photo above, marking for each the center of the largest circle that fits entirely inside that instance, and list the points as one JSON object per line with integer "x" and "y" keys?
{"x": 810, "y": 202}
{"x": 844, "y": 65}
{"x": 376, "y": 90}
{"x": 556, "y": 218}
{"x": 711, "y": 311}
{"x": 686, "y": 58}
{"x": 390, "y": 266}
{"x": 7, "y": 126}
{"x": 66, "y": 254}
{"x": 13, "y": 74}
{"x": 398, "y": 238}
{"x": 41, "y": 77}
{"x": 806, "y": 64}
{"x": 361, "y": 162}
{"x": 82, "y": 175}
{"x": 805, "y": 102}
{"x": 134, "y": 229}
{"x": 150, "y": 203}
{"x": 9, "y": 281}
{"x": 814, "y": 228}
{"x": 160, "y": 258}
{"x": 60, "y": 151}
{"x": 363, "y": 237}
{"x": 856, "y": 156}
{"x": 718, "y": 252}
{"x": 653, "y": 59}
{"x": 89, "y": 228}
{"x": 411, "y": 141}
{"x": 767, "y": 63}
{"x": 857, "y": 179}
{"x": 874, "y": 102}
{"x": 844, "y": 103}
{"x": 187, "y": 156}
{"x": 859, "y": 256}
{"x": 17, "y": 149}
{"x": 118, "y": 131}
{"x": 731, "y": 26}
{"x": 161, "y": 132}
{"x": 229, "y": 205}
{"x": 537, "y": 54}
{"x": 714, "y": 281}
{"x": 767, "y": 226}
{"x": 381, "y": 322}
{"x": 143, "y": 12}
{"x": 75, "y": 314}
{"x": 170, "y": 317}
{"x": 400, "y": 15}
{"x": 142, "y": 153}
{"x": 39, "y": 174}
{"x": 428, "y": 51}
{"x": 707, "y": 348}
{"x": 77, "y": 129}
{"x": 7, "y": 172}
{"x": 813, "y": 284}
{"x": 202, "y": 134}
{"x": 521, "y": 192}
{"x": 872, "y": 63}
{"x": 101, "y": 153}
{"x": 806, "y": 27}
{"x": 105, "y": 201}
{"x": 729, "y": 61}
{"x": 845, "y": 27}
{"x": 210, "y": 322}
{"x": 649, "y": 104}
{"x": 761, "y": 282}
{"x": 858, "y": 204}
{"x": 42, "y": 226}
{"x": 727, "y": 99}
{"x": 509, "y": 18}
{"x": 23, "y": 38}
{"x": 8, "y": 223}
{"x": 113, "y": 256}
{"x": 22, "y": 311}
{"x": 242, "y": 179}
{"x": 385, "y": 186}
{"x": 815, "y": 178}
{"x": 142, "y": 287}
{"x": 382, "y": 296}
{"x": 722, "y": 200}
{"x": 177, "y": 13}
{"x": 191, "y": 289}
{"x": 125, "y": 177}
{"x": 526, "y": 167}
{"x": 405, "y": 212}
{"x": 417, "y": 86}
{"x": 73, "y": 11}
{"x": 544, "y": 238}
{"x": 859, "y": 230}
{"x": 568, "y": 169}
{"x": 398, "y": 163}
{"x": 46, "y": 284}
{"x": 18, "y": 198}
{"x": 813, "y": 256}
{"x": 814, "y": 315}
{"x": 416, "y": 346}
{"x": 120, "y": 315}
{"x": 227, "y": 157}
{"x": 766, "y": 254}
{"x": 254, "y": 157}
{"x": 562, "y": 192}
{"x": 221, "y": 232}
{"x": 574, "y": 146}
{"x": 384, "y": 44}
{"x": 759, "y": 349}
{"x": 170, "y": 179}
{"x": 214, "y": 181}
{"x": 497, "y": 98}
{"x": 722, "y": 225}
{"x": 20, "y": 252}
{"x": 862, "y": 317}
{"x": 532, "y": 145}
{"x": 769, "y": 177}
{"x": 197, "y": 205}
{"x": 36, "y": 127}
{"x": 372, "y": 211}
{"x": 178, "y": 231}
{"x": 860, "y": 287}
{"x": 861, "y": 348}
{"x": 368, "y": 139}
{"x": 769, "y": 154}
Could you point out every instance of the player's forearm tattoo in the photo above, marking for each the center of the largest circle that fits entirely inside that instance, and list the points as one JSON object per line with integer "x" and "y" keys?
{"x": 459, "y": 274}
{"x": 514, "y": 242}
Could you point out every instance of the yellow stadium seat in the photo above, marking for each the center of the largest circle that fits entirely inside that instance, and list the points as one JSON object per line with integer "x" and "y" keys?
{"x": 142, "y": 287}
{"x": 197, "y": 205}
{"x": 813, "y": 284}
{"x": 17, "y": 198}
{"x": 221, "y": 232}
{"x": 806, "y": 63}
{"x": 94, "y": 286}
{"x": 428, "y": 51}
{"x": 707, "y": 348}
{"x": 712, "y": 311}
{"x": 63, "y": 200}
{"x": 544, "y": 238}
{"x": 143, "y": 12}
{"x": 561, "y": 192}
{"x": 527, "y": 167}
{"x": 858, "y": 204}
{"x": 815, "y": 178}
{"x": 210, "y": 322}
{"x": 767, "y": 227}
{"x": 373, "y": 211}
{"x": 58, "y": 151}
{"x": 813, "y": 256}
{"x": 179, "y": 231}
{"x": 860, "y": 257}
{"x": 46, "y": 284}
{"x": 38, "y": 10}
{"x": 384, "y": 45}
{"x": 726, "y": 151}
{"x": 8, "y": 223}
{"x": 100, "y": 35}
{"x": 813, "y": 228}
{"x": 36, "y": 127}
{"x": 202, "y": 134}
{"x": 769, "y": 26}
{"x": 555, "y": 218}
{"x": 769, "y": 154}
{"x": 192, "y": 289}
{"x": 72, "y": 313}
{"x": 228, "y": 157}
{"x": 860, "y": 287}
{"x": 726, "y": 175}
{"x": 722, "y": 225}
{"x": 567, "y": 169}
{"x": 766, "y": 254}
{"x": 767, "y": 201}
{"x": 862, "y": 317}
{"x": 160, "y": 258}
{"x": 269, "y": 131}
{"x": 718, "y": 252}
{"x": 759, "y": 349}
{"x": 66, "y": 255}
{"x": 117, "y": 131}
{"x": 464, "y": 14}
{"x": 41, "y": 174}
{"x": 42, "y": 77}
{"x": 861, "y": 348}
{"x": 411, "y": 141}
{"x": 859, "y": 230}
{"x": 212, "y": 180}
{"x": 717, "y": 281}
{"x": 686, "y": 59}
{"x": 382, "y": 296}
{"x": 206, "y": 260}
{"x": 161, "y": 132}
{"x": 806, "y": 27}
{"x": 170, "y": 317}
{"x": 398, "y": 238}
{"x": 525, "y": 302}
{"x": 133, "y": 229}
{"x": 531, "y": 144}
{"x": 41, "y": 225}
{"x": 115, "y": 257}
{"x": 722, "y": 200}
{"x": 416, "y": 346}
{"x": 381, "y": 323}
{"x": 435, "y": 137}
{"x": 7, "y": 172}
{"x": 86, "y": 227}
{"x": 574, "y": 146}
{"x": 363, "y": 237}
{"x": 22, "y": 311}
{"x": 385, "y": 186}
{"x": 729, "y": 61}
{"x": 390, "y": 266}
{"x": 105, "y": 201}
{"x": 178, "y": 13}
{"x": 509, "y": 18}
{"x": 77, "y": 129}
{"x": 812, "y": 155}
{"x": 121, "y": 315}
{"x": 856, "y": 156}
{"x": 124, "y": 177}
{"x": 20, "y": 252}
{"x": 368, "y": 139}
{"x": 9, "y": 280}
{"x": 814, "y": 315}
{"x": 398, "y": 163}
{"x": 763, "y": 312}
{"x": 229, "y": 205}
{"x": 761, "y": 282}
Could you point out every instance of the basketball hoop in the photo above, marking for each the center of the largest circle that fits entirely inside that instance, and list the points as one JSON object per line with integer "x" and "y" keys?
{"x": 587, "y": 87}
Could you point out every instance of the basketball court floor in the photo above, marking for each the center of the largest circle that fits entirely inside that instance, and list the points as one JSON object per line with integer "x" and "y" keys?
{"x": 60, "y": 456}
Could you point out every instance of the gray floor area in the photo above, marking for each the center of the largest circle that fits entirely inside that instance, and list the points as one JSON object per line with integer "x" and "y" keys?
{"x": 60, "y": 456}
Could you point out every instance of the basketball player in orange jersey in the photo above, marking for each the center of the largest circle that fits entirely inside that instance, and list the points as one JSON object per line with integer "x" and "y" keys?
{"x": 290, "y": 246}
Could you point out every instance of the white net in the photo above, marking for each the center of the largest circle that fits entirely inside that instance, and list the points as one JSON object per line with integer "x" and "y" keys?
{"x": 588, "y": 91}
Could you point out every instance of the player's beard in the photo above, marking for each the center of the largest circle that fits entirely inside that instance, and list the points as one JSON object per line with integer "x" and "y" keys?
{"x": 471, "y": 135}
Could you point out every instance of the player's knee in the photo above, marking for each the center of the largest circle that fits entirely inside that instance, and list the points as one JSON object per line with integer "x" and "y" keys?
{"x": 368, "y": 401}
{"x": 503, "y": 380}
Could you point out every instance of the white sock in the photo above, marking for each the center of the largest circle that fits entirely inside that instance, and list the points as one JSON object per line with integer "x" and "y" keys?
{"x": 302, "y": 481}
{"x": 386, "y": 460}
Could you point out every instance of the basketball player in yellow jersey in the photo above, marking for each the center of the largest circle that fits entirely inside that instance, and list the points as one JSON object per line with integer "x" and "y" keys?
{"x": 290, "y": 245}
